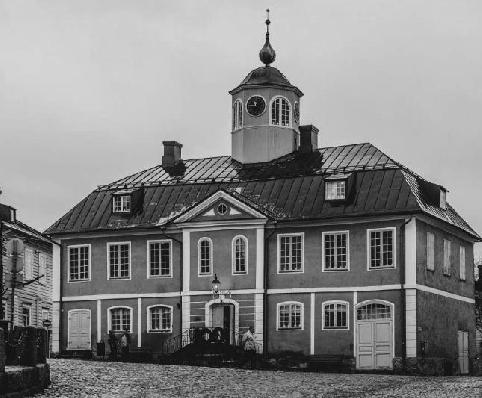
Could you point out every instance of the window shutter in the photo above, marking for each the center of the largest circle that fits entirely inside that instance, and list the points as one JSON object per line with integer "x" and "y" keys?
{"x": 462, "y": 263}
{"x": 430, "y": 251}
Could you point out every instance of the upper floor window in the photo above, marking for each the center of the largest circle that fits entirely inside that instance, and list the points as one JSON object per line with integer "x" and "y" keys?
{"x": 462, "y": 263}
{"x": 28, "y": 264}
{"x": 237, "y": 114}
{"x": 335, "y": 315}
{"x": 159, "y": 258}
{"x": 79, "y": 263}
{"x": 290, "y": 252}
{"x": 205, "y": 256}
{"x": 160, "y": 318}
{"x": 118, "y": 257}
{"x": 280, "y": 112}
{"x": 42, "y": 267}
{"x": 335, "y": 190}
{"x": 335, "y": 251}
{"x": 120, "y": 319}
{"x": 26, "y": 315}
{"x": 381, "y": 250}
{"x": 240, "y": 255}
{"x": 447, "y": 260}
{"x": 121, "y": 203}
{"x": 290, "y": 315}
{"x": 430, "y": 251}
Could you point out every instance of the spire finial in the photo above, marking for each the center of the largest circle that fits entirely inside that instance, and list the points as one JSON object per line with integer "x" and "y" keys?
{"x": 267, "y": 54}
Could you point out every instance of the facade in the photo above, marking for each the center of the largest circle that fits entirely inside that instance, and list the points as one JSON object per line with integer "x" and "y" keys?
{"x": 27, "y": 277}
{"x": 324, "y": 251}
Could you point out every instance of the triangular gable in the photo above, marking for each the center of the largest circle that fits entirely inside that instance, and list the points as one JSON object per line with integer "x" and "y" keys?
{"x": 205, "y": 209}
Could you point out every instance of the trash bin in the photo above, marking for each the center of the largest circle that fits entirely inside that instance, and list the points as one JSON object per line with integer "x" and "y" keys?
{"x": 101, "y": 349}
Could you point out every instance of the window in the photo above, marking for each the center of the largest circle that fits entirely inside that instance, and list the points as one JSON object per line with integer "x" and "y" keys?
{"x": 240, "y": 255}
{"x": 26, "y": 320}
{"x": 122, "y": 204}
{"x": 462, "y": 263}
{"x": 280, "y": 112}
{"x": 42, "y": 267}
{"x": 237, "y": 114}
{"x": 335, "y": 315}
{"x": 79, "y": 263}
{"x": 222, "y": 209}
{"x": 205, "y": 256}
{"x": 159, "y": 318}
{"x": 381, "y": 253}
{"x": 28, "y": 264}
{"x": 335, "y": 190}
{"x": 4, "y": 309}
{"x": 159, "y": 258}
{"x": 430, "y": 251}
{"x": 120, "y": 319}
{"x": 290, "y": 253}
{"x": 373, "y": 311}
{"x": 45, "y": 314}
{"x": 335, "y": 251}
{"x": 290, "y": 315}
{"x": 447, "y": 250}
{"x": 119, "y": 260}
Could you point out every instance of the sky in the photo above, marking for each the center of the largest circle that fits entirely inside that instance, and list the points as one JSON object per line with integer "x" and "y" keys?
{"x": 90, "y": 88}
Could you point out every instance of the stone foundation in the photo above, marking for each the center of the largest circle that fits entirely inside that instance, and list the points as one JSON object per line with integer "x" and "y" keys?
{"x": 19, "y": 381}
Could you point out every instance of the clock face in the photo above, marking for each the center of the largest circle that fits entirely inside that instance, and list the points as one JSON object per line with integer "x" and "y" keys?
{"x": 256, "y": 105}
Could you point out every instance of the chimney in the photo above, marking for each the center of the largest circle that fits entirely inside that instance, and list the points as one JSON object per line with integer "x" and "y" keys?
{"x": 172, "y": 153}
{"x": 308, "y": 138}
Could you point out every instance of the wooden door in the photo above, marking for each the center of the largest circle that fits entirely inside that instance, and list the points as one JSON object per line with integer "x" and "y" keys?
{"x": 374, "y": 344}
{"x": 365, "y": 347}
{"x": 463, "y": 351}
{"x": 79, "y": 330}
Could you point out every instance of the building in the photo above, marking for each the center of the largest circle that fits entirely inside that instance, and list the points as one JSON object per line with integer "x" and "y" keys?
{"x": 27, "y": 275}
{"x": 332, "y": 250}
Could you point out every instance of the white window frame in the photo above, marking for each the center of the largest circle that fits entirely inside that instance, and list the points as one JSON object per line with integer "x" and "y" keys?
{"x": 278, "y": 253}
{"x": 69, "y": 279}
{"x": 29, "y": 307}
{"x": 340, "y": 302}
{"x": 328, "y": 191}
{"x": 233, "y": 255}
{"x": 430, "y": 251}
{"x": 290, "y": 110}
{"x": 159, "y": 241}
{"x": 45, "y": 311}
{"x": 149, "y": 318}
{"x": 108, "y": 245}
{"x": 462, "y": 263}
{"x": 447, "y": 261}
{"x": 323, "y": 248}
{"x": 211, "y": 249}
{"x": 122, "y": 199}
{"x": 237, "y": 108}
{"x": 109, "y": 318}
{"x": 302, "y": 315}
{"x": 394, "y": 245}
{"x": 28, "y": 265}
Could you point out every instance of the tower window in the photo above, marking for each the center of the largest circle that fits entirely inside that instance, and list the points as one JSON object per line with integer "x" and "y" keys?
{"x": 237, "y": 114}
{"x": 280, "y": 112}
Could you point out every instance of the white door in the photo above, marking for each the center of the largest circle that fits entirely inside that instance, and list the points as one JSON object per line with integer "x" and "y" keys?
{"x": 79, "y": 330}
{"x": 463, "y": 351}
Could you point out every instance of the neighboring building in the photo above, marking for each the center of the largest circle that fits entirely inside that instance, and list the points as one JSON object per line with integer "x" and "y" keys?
{"x": 31, "y": 301}
{"x": 337, "y": 250}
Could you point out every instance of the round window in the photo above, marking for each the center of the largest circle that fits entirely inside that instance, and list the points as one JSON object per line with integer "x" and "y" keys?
{"x": 222, "y": 209}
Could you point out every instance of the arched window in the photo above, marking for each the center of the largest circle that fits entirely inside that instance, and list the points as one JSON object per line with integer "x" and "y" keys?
{"x": 335, "y": 315}
{"x": 120, "y": 319}
{"x": 205, "y": 256}
{"x": 159, "y": 318}
{"x": 240, "y": 255}
{"x": 280, "y": 112}
{"x": 237, "y": 114}
{"x": 290, "y": 315}
{"x": 374, "y": 310}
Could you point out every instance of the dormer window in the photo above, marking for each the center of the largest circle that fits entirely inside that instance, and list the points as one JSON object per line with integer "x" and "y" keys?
{"x": 122, "y": 204}
{"x": 237, "y": 114}
{"x": 280, "y": 112}
{"x": 335, "y": 190}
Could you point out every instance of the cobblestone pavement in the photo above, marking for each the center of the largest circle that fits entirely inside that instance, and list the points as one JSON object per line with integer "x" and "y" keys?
{"x": 77, "y": 378}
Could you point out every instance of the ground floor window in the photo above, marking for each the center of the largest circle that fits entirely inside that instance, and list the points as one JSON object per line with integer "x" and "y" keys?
{"x": 160, "y": 318}
{"x": 335, "y": 315}
{"x": 120, "y": 319}
{"x": 290, "y": 315}
{"x": 26, "y": 320}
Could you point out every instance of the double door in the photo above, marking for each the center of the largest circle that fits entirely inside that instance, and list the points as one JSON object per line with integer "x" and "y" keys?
{"x": 374, "y": 344}
{"x": 223, "y": 317}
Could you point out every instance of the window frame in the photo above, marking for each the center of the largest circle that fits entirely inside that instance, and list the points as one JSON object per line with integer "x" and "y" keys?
{"x": 109, "y": 318}
{"x": 121, "y": 197}
{"x": 108, "y": 245}
{"x": 290, "y": 112}
{"x": 430, "y": 251}
{"x": 323, "y": 315}
{"x": 238, "y": 110}
{"x": 337, "y": 198}
{"x": 29, "y": 308}
{"x": 323, "y": 249}
{"x": 462, "y": 256}
{"x": 447, "y": 258}
{"x": 233, "y": 255}
{"x": 278, "y": 253}
{"x": 159, "y": 241}
{"x": 394, "y": 248}
{"x": 211, "y": 262}
{"x": 149, "y": 318}
{"x": 302, "y": 315}
{"x": 69, "y": 279}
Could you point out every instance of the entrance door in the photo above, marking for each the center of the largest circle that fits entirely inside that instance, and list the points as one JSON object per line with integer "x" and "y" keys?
{"x": 79, "y": 330}
{"x": 463, "y": 351}
{"x": 374, "y": 337}
{"x": 223, "y": 317}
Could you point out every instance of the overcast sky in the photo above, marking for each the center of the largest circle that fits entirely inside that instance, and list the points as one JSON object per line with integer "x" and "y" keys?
{"x": 89, "y": 89}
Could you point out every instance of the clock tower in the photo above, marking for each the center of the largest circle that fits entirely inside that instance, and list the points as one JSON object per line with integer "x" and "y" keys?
{"x": 266, "y": 112}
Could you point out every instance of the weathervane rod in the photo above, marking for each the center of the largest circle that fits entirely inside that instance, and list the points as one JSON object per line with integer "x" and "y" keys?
{"x": 267, "y": 22}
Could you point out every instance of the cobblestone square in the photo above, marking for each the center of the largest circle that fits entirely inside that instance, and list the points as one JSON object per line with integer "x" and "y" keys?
{"x": 79, "y": 378}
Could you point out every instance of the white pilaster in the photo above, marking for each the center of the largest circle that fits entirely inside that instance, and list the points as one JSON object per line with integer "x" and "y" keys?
{"x": 411, "y": 322}
{"x": 139, "y": 322}
{"x": 260, "y": 258}
{"x": 312, "y": 324}
{"x": 55, "y": 327}
{"x": 186, "y": 276}
{"x": 411, "y": 292}
{"x": 99, "y": 321}
{"x": 56, "y": 310}
{"x": 411, "y": 253}
{"x": 186, "y": 312}
{"x": 259, "y": 297}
